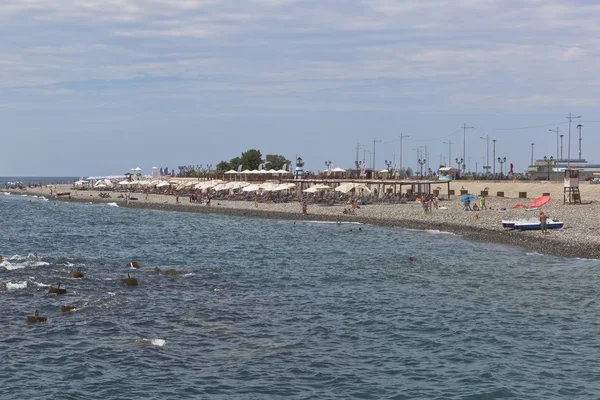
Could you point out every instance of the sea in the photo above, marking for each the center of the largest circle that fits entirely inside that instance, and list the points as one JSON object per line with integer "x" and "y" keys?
{"x": 268, "y": 309}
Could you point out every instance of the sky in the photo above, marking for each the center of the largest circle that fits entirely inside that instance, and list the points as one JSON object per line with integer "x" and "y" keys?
{"x": 97, "y": 87}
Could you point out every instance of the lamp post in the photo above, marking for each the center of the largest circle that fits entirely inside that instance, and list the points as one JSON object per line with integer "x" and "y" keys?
{"x": 579, "y": 127}
{"x": 487, "y": 147}
{"x": 328, "y": 165}
{"x": 402, "y": 136}
{"x": 388, "y": 164}
{"x": 421, "y": 162}
{"x": 502, "y": 160}
{"x": 557, "y": 131}
{"x": 570, "y": 118}
{"x": 561, "y": 146}
{"x": 449, "y": 143}
{"x": 458, "y": 162}
{"x": 494, "y": 157}
{"x": 532, "y": 153}
{"x": 548, "y": 162}
{"x": 464, "y": 156}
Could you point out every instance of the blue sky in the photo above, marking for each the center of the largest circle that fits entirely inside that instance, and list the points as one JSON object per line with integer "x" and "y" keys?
{"x": 94, "y": 87}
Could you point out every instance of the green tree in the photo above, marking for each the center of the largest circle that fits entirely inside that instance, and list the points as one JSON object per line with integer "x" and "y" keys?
{"x": 251, "y": 159}
{"x": 275, "y": 161}
{"x": 235, "y": 162}
{"x": 223, "y": 166}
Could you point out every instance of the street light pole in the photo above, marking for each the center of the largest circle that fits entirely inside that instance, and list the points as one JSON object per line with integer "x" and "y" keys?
{"x": 459, "y": 161}
{"x": 487, "y": 149}
{"x": 502, "y": 160}
{"x": 570, "y": 118}
{"x": 532, "y": 153}
{"x": 402, "y": 136}
{"x": 494, "y": 156}
{"x": 580, "y": 126}
{"x": 421, "y": 162}
{"x": 449, "y": 143}
{"x": 561, "y": 146}
{"x": 548, "y": 162}
{"x": 464, "y": 157}
{"x": 557, "y": 131}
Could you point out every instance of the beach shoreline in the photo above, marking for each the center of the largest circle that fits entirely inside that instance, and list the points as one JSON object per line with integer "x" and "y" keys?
{"x": 573, "y": 241}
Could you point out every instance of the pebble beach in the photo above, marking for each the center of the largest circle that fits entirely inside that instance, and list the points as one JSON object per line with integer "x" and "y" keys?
{"x": 578, "y": 239}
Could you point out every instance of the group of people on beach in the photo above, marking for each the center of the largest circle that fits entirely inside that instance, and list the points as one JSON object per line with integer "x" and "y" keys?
{"x": 429, "y": 202}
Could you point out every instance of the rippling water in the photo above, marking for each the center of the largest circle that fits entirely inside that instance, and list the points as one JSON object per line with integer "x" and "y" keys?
{"x": 273, "y": 309}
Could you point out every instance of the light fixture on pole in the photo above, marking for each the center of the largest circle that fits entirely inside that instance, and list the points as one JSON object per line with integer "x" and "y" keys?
{"x": 494, "y": 157}
{"x": 579, "y": 127}
{"x": 502, "y": 160}
{"x": 449, "y": 143}
{"x": 487, "y": 147}
{"x": 421, "y": 162}
{"x": 561, "y": 146}
{"x": 464, "y": 156}
{"x": 402, "y": 136}
{"x": 328, "y": 165}
{"x": 388, "y": 164}
{"x": 557, "y": 131}
{"x": 570, "y": 118}
{"x": 548, "y": 162}
{"x": 459, "y": 161}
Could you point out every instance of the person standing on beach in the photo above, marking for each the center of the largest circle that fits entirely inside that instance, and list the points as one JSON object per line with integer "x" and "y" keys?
{"x": 482, "y": 205}
{"x": 543, "y": 222}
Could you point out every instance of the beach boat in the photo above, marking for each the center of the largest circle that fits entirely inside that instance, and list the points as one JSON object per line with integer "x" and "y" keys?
{"x": 534, "y": 224}
{"x": 510, "y": 224}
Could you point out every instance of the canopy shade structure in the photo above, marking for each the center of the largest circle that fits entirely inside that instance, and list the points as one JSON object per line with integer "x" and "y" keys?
{"x": 162, "y": 184}
{"x": 350, "y": 186}
{"x": 338, "y": 170}
{"x": 231, "y": 172}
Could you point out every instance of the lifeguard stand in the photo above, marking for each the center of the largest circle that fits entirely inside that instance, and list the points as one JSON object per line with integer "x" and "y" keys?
{"x": 571, "y": 186}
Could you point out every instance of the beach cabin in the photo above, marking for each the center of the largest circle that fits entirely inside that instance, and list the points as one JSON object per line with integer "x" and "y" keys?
{"x": 448, "y": 173}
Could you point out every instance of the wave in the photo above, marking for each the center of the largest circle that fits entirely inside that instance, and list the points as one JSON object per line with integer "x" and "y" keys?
{"x": 332, "y": 222}
{"x": 112, "y": 204}
{"x": 20, "y": 262}
{"x": 16, "y": 285}
{"x": 150, "y": 342}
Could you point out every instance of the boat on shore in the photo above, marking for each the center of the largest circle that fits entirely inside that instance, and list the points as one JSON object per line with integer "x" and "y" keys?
{"x": 531, "y": 224}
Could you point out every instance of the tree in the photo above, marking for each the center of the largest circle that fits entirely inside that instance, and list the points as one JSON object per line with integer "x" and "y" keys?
{"x": 235, "y": 162}
{"x": 251, "y": 159}
{"x": 223, "y": 166}
{"x": 275, "y": 161}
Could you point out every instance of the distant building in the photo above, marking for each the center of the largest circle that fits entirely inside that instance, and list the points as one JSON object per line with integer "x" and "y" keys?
{"x": 554, "y": 169}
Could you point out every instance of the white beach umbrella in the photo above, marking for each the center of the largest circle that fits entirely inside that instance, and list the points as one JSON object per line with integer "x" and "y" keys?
{"x": 251, "y": 188}
{"x": 162, "y": 184}
{"x": 231, "y": 172}
{"x": 246, "y": 171}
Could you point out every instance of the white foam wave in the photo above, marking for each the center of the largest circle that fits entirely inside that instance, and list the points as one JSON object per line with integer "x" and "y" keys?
{"x": 112, "y": 204}
{"x": 6, "y": 193}
{"x": 333, "y": 222}
{"x": 10, "y": 267}
{"x": 150, "y": 342}
{"x": 438, "y": 232}
{"x": 16, "y": 285}
{"x": 38, "y": 284}
{"x": 190, "y": 274}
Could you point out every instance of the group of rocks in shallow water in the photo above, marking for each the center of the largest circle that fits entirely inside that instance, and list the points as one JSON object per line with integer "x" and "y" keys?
{"x": 77, "y": 274}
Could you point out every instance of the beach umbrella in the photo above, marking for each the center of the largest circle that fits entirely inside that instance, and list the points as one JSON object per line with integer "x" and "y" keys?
{"x": 467, "y": 197}
{"x": 231, "y": 172}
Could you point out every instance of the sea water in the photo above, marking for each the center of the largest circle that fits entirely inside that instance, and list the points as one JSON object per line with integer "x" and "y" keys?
{"x": 283, "y": 309}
